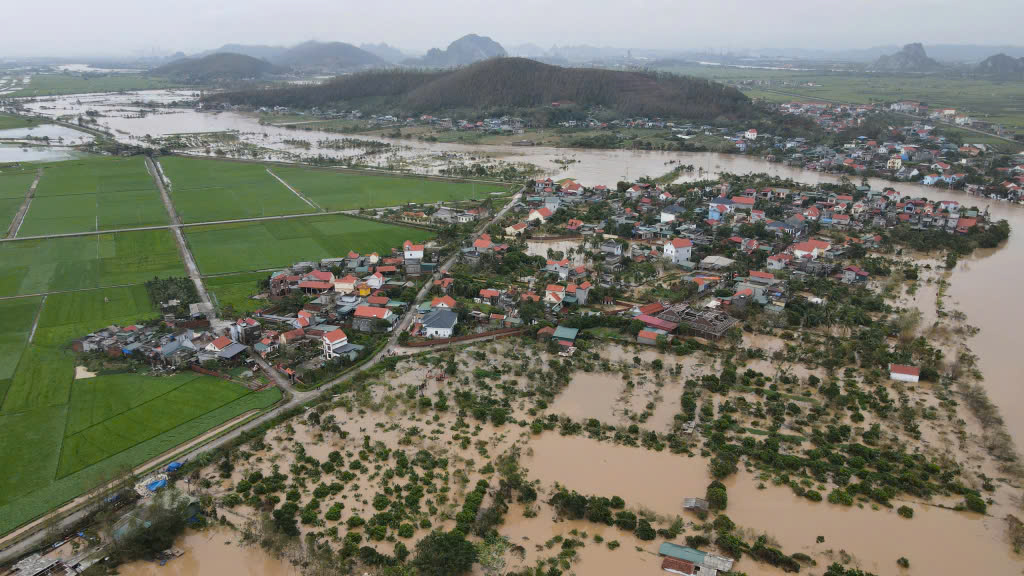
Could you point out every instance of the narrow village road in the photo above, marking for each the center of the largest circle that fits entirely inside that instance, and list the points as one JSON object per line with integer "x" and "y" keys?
{"x": 12, "y": 230}
{"x": 183, "y": 249}
{"x": 74, "y": 511}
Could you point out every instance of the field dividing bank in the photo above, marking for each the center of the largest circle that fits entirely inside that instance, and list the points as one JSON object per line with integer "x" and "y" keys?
{"x": 17, "y": 316}
{"x": 244, "y": 247}
{"x": 14, "y": 185}
{"x": 342, "y": 190}
{"x": 96, "y": 193}
{"x": 84, "y": 262}
{"x": 205, "y": 189}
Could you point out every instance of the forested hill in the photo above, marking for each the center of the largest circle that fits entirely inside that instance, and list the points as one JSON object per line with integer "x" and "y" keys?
{"x": 507, "y": 85}
{"x": 216, "y": 68}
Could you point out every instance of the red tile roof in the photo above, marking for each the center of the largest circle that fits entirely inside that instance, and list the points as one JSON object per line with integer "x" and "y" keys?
{"x": 335, "y": 336}
{"x": 221, "y": 342}
{"x": 371, "y": 312}
{"x": 443, "y": 300}
{"x": 905, "y": 370}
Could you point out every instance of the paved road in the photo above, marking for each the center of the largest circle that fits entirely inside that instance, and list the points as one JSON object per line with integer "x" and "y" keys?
{"x": 72, "y": 515}
{"x": 15, "y": 226}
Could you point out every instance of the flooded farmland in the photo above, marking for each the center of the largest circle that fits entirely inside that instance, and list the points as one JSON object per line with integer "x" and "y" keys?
{"x": 982, "y": 286}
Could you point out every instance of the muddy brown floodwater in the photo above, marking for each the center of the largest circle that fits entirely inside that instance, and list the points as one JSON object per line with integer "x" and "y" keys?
{"x": 213, "y": 552}
{"x": 938, "y": 541}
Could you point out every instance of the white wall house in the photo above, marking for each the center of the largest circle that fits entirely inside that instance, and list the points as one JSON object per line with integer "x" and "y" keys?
{"x": 333, "y": 341}
{"x": 412, "y": 251}
{"x": 678, "y": 250}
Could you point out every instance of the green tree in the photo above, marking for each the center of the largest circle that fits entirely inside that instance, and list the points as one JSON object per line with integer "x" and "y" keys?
{"x": 444, "y": 554}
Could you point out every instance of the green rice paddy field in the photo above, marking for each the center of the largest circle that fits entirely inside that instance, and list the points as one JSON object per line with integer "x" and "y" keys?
{"x": 96, "y": 193}
{"x": 46, "y": 265}
{"x": 64, "y": 436}
{"x": 249, "y": 246}
{"x": 234, "y": 291}
{"x": 206, "y": 190}
{"x": 335, "y": 190}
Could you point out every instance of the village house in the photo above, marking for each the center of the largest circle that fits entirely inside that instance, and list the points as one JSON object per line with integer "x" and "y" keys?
{"x": 373, "y": 319}
{"x": 439, "y": 323}
{"x": 412, "y": 251}
{"x": 540, "y": 215}
{"x": 333, "y": 342}
{"x": 678, "y": 250}
{"x": 904, "y": 373}
{"x": 554, "y": 294}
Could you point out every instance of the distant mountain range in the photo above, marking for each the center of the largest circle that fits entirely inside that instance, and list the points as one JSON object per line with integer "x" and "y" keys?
{"x": 466, "y": 50}
{"x": 509, "y": 85}
{"x": 223, "y": 67}
{"x": 385, "y": 52}
{"x": 338, "y": 57}
{"x": 1002, "y": 67}
{"x": 328, "y": 57}
{"x": 912, "y": 58}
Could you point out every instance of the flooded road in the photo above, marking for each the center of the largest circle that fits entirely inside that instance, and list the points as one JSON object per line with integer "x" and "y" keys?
{"x": 213, "y": 552}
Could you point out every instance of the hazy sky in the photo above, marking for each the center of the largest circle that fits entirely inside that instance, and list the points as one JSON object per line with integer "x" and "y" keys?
{"x": 115, "y": 27}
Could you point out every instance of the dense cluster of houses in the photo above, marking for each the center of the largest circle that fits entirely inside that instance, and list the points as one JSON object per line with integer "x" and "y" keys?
{"x": 915, "y": 152}
{"x": 684, "y": 236}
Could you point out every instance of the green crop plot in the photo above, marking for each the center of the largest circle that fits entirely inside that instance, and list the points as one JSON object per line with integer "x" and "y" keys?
{"x": 97, "y": 193}
{"x": 235, "y": 291}
{"x": 69, "y": 315}
{"x": 29, "y": 487}
{"x": 29, "y": 452}
{"x": 9, "y": 121}
{"x": 247, "y": 246}
{"x": 44, "y": 265}
{"x": 336, "y": 190}
{"x": 43, "y": 378}
{"x": 123, "y": 430}
{"x": 206, "y": 190}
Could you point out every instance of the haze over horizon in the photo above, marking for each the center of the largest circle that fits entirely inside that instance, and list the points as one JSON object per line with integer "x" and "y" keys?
{"x": 68, "y": 28}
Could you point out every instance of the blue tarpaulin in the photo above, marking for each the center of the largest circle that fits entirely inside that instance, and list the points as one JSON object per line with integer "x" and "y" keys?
{"x": 154, "y": 486}
{"x": 173, "y": 466}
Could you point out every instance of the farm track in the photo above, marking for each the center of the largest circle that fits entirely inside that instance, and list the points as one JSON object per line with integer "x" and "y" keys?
{"x": 15, "y": 226}
{"x": 65, "y": 517}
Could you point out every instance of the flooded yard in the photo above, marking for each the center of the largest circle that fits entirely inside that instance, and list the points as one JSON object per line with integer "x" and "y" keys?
{"x": 213, "y": 552}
